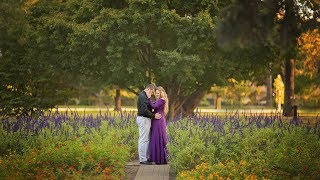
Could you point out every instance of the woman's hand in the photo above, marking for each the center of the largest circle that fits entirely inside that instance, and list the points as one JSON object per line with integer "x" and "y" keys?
{"x": 157, "y": 116}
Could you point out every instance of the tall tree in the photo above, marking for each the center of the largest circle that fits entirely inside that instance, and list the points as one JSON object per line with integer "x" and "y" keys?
{"x": 28, "y": 80}
{"x": 275, "y": 23}
{"x": 62, "y": 38}
{"x": 14, "y": 78}
{"x": 149, "y": 42}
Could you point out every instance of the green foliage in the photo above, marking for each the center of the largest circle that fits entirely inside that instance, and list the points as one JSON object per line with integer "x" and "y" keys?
{"x": 149, "y": 42}
{"x": 188, "y": 156}
{"x": 237, "y": 148}
{"x": 222, "y": 170}
{"x": 30, "y": 77}
{"x": 71, "y": 158}
{"x": 267, "y": 32}
{"x": 51, "y": 49}
{"x": 63, "y": 145}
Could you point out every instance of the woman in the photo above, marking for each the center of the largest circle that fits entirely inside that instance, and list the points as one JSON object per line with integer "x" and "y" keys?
{"x": 158, "y": 138}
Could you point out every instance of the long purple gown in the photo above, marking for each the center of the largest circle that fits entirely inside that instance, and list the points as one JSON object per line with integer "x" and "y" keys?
{"x": 158, "y": 138}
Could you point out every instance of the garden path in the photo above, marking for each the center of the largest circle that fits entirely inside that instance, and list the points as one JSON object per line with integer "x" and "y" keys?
{"x": 150, "y": 172}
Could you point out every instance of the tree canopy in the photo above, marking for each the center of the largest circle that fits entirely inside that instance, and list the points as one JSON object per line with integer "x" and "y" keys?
{"x": 49, "y": 49}
{"x": 28, "y": 79}
{"x": 272, "y": 23}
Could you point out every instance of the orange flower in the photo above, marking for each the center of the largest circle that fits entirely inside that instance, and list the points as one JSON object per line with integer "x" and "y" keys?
{"x": 107, "y": 170}
{"x": 253, "y": 177}
{"x": 242, "y": 163}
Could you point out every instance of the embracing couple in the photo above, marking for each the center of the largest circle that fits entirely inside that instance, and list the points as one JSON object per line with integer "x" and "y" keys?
{"x": 152, "y": 125}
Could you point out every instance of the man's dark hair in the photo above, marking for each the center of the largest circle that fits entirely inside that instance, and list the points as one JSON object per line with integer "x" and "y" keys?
{"x": 151, "y": 86}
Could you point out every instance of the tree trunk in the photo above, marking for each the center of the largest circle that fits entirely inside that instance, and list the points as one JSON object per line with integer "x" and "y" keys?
{"x": 117, "y": 100}
{"x": 214, "y": 100}
{"x": 288, "y": 87}
{"x": 192, "y": 102}
{"x": 175, "y": 102}
{"x": 269, "y": 91}
{"x": 175, "y": 108}
{"x": 219, "y": 99}
{"x": 289, "y": 33}
{"x": 183, "y": 106}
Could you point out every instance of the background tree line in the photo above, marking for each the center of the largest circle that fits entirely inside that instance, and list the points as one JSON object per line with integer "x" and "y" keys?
{"x": 51, "y": 50}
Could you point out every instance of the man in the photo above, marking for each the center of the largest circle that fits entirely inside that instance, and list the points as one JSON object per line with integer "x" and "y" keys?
{"x": 144, "y": 122}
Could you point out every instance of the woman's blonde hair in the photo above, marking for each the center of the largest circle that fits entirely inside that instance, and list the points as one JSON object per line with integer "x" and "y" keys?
{"x": 164, "y": 96}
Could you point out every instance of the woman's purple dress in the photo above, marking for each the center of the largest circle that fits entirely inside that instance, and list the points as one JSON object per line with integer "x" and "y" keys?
{"x": 158, "y": 138}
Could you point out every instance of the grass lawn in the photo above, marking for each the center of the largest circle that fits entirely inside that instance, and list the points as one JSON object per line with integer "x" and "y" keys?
{"x": 248, "y": 110}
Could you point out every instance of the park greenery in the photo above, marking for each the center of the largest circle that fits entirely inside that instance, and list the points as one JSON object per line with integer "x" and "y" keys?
{"x": 60, "y": 145}
{"x": 54, "y": 51}
{"x": 244, "y": 146}
{"x": 67, "y": 145}
{"x": 65, "y": 52}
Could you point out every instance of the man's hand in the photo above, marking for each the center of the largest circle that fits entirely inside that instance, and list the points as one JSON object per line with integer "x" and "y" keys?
{"x": 157, "y": 116}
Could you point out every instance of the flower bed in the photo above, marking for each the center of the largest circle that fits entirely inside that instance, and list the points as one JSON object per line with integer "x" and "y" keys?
{"x": 67, "y": 145}
{"x": 244, "y": 146}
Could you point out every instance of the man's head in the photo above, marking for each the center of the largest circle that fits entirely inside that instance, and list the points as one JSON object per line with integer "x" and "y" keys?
{"x": 150, "y": 88}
